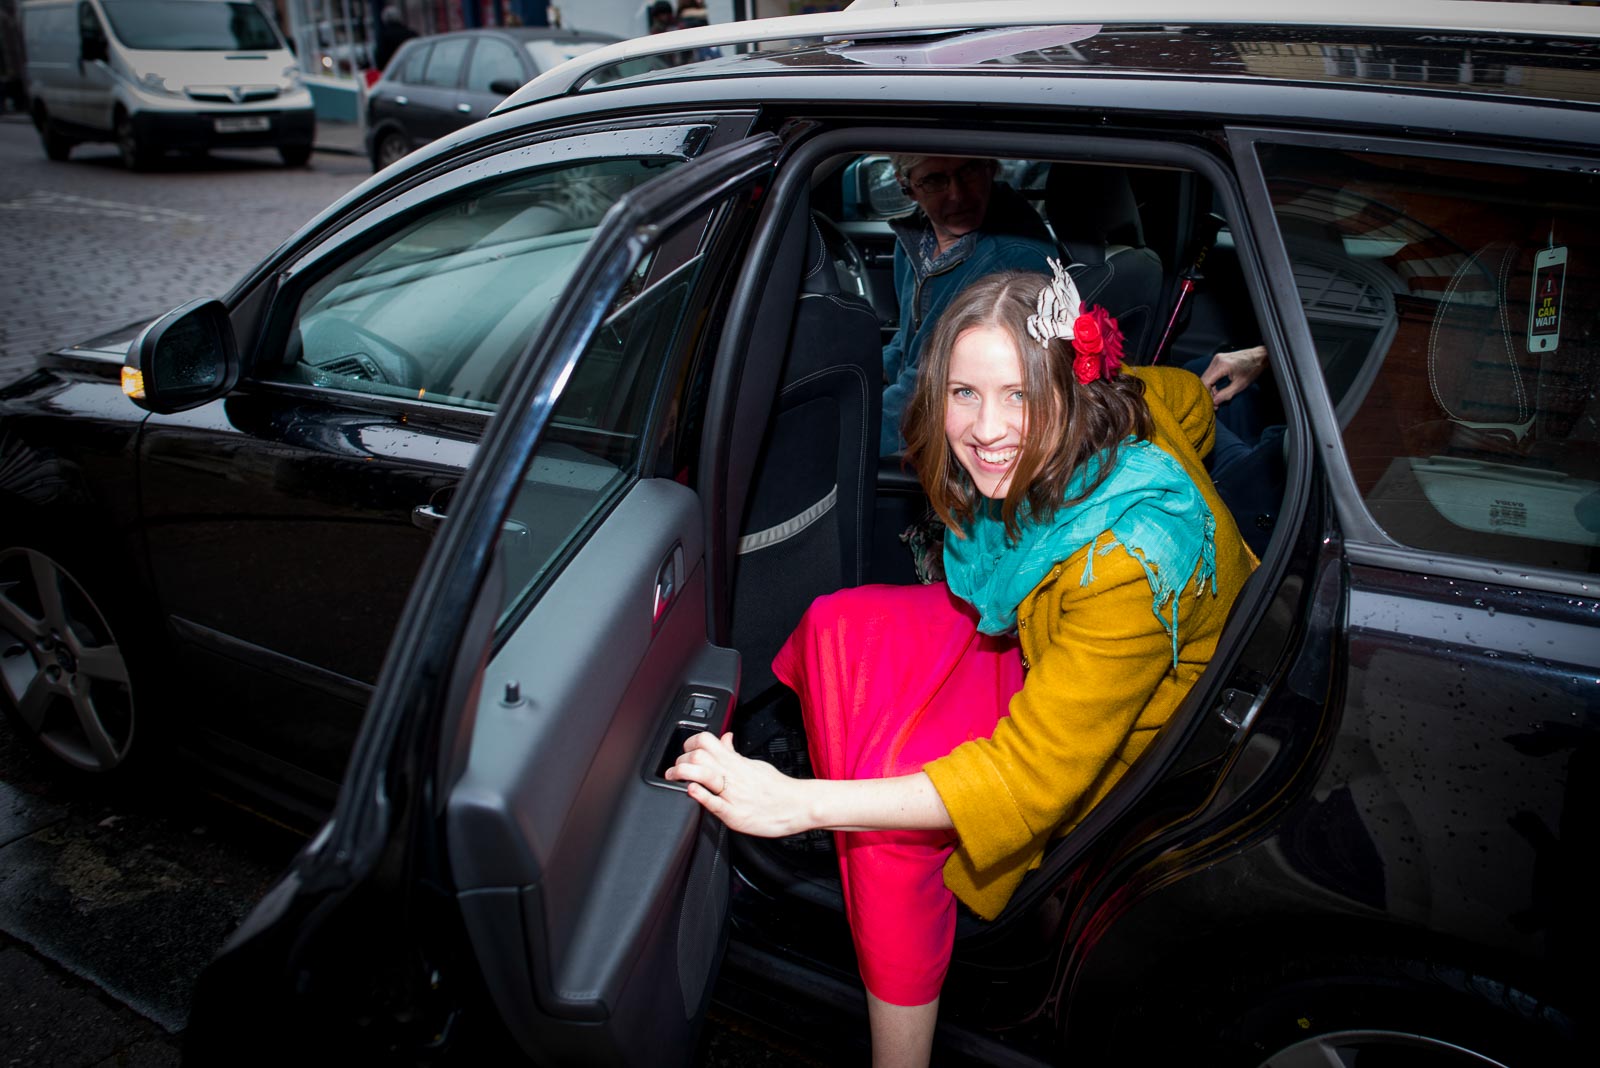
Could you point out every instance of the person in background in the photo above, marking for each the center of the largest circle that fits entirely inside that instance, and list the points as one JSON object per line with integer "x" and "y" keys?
{"x": 661, "y": 18}
{"x": 966, "y": 225}
{"x": 392, "y": 33}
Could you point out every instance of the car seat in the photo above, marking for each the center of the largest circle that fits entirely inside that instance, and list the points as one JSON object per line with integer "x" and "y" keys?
{"x": 807, "y": 528}
{"x": 1099, "y": 233}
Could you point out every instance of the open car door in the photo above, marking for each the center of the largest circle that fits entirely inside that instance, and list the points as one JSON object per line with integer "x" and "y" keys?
{"x": 505, "y": 875}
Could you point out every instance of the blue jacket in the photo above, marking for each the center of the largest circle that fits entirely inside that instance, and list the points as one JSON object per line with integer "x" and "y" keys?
{"x": 1013, "y": 237}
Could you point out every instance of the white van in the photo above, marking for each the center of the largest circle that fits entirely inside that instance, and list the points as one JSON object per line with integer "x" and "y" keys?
{"x": 159, "y": 75}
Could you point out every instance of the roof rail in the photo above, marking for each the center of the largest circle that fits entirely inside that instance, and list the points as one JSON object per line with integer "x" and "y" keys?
{"x": 880, "y": 18}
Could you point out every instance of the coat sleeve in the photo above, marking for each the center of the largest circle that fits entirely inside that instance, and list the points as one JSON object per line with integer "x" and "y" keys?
{"x": 1186, "y": 399}
{"x": 1104, "y": 659}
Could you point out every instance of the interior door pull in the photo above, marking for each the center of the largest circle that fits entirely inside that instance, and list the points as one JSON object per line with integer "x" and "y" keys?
{"x": 669, "y": 577}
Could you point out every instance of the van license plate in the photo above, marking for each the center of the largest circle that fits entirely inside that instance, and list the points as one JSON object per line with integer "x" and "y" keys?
{"x": 244, "y": 124}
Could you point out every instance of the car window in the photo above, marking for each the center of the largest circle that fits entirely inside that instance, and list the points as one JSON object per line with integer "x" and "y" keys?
{"x": 549, "y": 54}
{"x": 1455, "y": 307}
{"x": 493, "y": 61}
{"x": 444, "y": 65}
{"x": 438, "y": 310}
{"x": 411, "y": 64}
{"x": 596, "y": 437}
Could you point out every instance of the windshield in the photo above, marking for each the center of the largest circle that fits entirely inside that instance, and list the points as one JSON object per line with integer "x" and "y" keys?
{"x": 190, "y": 25}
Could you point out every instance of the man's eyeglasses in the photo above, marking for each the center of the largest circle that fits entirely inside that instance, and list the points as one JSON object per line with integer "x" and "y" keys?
{"x": 939, "y": 181}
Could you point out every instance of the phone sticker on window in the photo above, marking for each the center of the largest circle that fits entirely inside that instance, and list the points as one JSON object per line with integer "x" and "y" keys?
{"x": 1544, "y": 317}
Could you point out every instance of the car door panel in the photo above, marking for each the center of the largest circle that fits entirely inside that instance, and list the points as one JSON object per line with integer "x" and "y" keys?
{"x": 578, "y": 842}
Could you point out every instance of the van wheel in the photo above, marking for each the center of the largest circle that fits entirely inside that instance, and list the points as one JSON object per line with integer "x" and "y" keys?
{"x": 136, "y": 155}
{"x": 56, "y": 146}
{"x": 295, "y": 155}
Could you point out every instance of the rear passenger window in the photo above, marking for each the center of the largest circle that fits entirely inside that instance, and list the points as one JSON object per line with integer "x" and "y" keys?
{"x": 493, "y": 61}
{"x": 444, "y": 65}
{"x": 1456, "y": 311}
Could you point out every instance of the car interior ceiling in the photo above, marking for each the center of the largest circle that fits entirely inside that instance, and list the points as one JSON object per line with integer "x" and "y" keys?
{"x": 824, "y": 513}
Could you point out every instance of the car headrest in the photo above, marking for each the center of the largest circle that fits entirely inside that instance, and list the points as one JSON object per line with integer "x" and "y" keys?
{"x": 1476, "y": 347}
{"x": 819, "y": 275}
{"x": 1092, "y": 205}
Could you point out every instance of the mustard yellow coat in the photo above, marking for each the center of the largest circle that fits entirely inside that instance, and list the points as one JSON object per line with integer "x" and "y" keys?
{"x": 1100, "y": 680}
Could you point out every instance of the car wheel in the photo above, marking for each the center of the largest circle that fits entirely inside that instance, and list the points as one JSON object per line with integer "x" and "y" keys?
{"x": 295, "y": 155}
{"x": 136, "y": 155}
{"x": 56, "y": 146}
{"x": 1390, "y": 1012}
{"x": 64, "y": 669}
{"x": 391, "y": 146}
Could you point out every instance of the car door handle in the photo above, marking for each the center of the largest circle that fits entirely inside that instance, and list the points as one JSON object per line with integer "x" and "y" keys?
{"x": 427, "y": 518}
{"x": 669, "y": 577}
{"x": 402, "y": 100}
{"x": 465, "y": 109}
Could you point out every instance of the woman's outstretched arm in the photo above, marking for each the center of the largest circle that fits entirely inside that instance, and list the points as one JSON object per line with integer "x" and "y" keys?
{"x": 753, "y": 797}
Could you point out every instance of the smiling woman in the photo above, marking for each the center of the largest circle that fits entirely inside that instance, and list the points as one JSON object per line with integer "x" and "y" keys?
{"x": 1038, "y": 674}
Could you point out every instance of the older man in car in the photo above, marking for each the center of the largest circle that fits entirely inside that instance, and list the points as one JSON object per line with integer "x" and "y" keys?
{"x": 968, "y": 225}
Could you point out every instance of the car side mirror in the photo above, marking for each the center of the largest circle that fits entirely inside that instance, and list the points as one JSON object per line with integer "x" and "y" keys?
{"x": 871, "y": 190}
{"x": 504, "y": 86}
{"x": 184, "y": 359}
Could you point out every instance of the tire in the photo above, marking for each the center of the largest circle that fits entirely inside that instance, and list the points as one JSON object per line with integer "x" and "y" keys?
{"x": 67, "y": 676}
{"x": 136, "y": 155}
{"x": 57, "y": 146}
{"x": 295, "y": 155}
{"x": 391, "y": 145}
{"x": 1387, "y": 1011}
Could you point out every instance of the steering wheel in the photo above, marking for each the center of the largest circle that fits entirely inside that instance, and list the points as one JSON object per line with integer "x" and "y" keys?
{"x": 848, "y": 262}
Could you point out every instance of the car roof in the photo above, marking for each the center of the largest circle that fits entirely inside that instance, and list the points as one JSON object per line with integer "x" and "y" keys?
{"x": 526, "y": 33}
{"x": 939, "y": 35}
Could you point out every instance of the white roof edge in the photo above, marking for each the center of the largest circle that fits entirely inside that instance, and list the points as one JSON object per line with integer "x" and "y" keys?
{"x": 882, "y": 17}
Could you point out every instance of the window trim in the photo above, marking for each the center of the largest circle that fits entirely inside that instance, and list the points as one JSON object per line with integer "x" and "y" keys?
{"x": 1366, "y": 542}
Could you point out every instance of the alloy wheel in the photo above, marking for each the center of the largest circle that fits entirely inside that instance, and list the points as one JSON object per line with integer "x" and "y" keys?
{"x": 61, "y": 668}
{"x": 1339, "y": 1048}
{"x": 390, "y": 148}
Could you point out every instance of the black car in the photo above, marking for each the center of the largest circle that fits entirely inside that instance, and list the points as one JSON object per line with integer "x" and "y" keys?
{"x": 513, "y": 467}
{"x": 438, "y": 84}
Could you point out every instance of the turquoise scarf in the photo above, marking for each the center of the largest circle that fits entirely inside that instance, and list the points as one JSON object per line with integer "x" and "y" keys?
{"x": 1149, "y": 504}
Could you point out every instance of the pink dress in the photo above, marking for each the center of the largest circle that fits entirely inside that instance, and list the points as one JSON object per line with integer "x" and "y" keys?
{"x": 889, "y": 678}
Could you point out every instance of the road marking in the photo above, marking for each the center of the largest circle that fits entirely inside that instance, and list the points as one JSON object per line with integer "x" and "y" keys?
{"x": 66, "y": 204}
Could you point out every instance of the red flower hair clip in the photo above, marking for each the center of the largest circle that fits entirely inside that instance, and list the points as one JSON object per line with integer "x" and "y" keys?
{"x": 1095, "y": 337}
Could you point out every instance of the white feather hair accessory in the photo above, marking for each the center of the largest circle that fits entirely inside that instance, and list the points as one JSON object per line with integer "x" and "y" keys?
{"x": 1058, "y": 307}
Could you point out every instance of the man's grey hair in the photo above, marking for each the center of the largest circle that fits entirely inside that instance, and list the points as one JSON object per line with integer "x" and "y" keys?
{"x": 904, "y": 164}
{"x": 391, "y": 14}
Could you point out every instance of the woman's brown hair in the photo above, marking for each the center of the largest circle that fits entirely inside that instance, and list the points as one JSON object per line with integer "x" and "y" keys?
{"x": 1067, "y": 422}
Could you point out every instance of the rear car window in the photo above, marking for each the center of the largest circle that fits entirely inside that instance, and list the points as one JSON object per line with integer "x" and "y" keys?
{"x": 1455, "y": 307}
{"x": 493, "y": 61}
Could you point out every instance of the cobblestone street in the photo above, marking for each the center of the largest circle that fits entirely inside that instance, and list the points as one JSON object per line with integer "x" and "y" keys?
{"x": 86, "y": 246}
